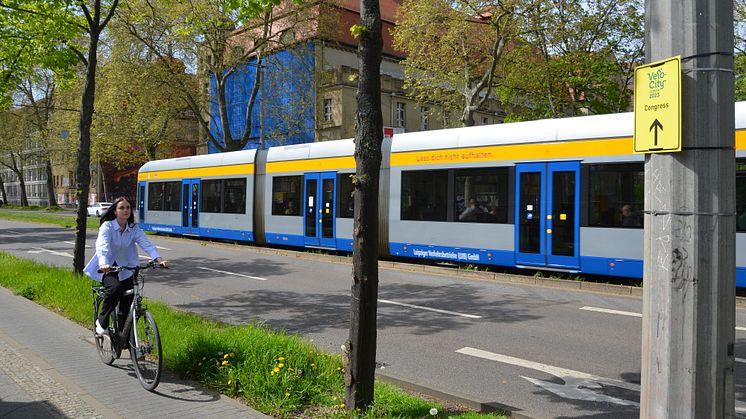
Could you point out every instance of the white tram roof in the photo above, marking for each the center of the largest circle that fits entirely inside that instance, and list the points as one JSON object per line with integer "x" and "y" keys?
{"x": 339, "y": 148}
{"x": 541, "y": 131}
{"x": 740, "y": 115}
{"x": 205, "y": 160}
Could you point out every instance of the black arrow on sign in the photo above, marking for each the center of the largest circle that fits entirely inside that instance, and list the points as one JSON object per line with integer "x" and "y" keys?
{"x": 656, "y": 125}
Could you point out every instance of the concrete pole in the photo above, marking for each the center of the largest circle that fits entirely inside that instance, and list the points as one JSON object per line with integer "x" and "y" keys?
{"x": 689, "y": 279}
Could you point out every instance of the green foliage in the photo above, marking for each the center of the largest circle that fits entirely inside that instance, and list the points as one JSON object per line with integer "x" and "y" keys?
{"x": 357, "y": 31}
{"x": 37, "y": 33}
{"x": 577, "y": 57}
{"x": 280, "y": 374}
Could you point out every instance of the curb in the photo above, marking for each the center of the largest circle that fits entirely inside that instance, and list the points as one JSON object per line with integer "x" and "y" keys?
{"x": 452, "y": 397}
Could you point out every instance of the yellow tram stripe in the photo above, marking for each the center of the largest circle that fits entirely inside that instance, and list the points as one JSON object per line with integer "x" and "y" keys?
{"x": 234, "y": 169}
{"x": 312, "y": 165}
{"x": 741, "y": 140}
{"x": 537, "y": 151}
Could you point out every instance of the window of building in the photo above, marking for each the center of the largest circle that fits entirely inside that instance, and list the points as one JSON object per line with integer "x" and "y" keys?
{"x": 286, "y": 191}
{"x": 741, "y": 195}
{"x": 345, "y": 196}
{"x": 616, "y": 195}
{"x": 164, "y": 196}
{"x": 327, "y": 109}
{"x": 424, "y": 195}
{"x": 424, "y": 121}
{"x": 481, "y": 195}
{"x": 401, "y": 114}
{"x": 485, "y": 120}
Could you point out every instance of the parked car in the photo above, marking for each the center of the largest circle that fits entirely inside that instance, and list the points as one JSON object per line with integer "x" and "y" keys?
{"x": 98, "y": 208}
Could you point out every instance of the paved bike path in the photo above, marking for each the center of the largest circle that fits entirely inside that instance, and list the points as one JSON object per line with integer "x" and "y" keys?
{"x": 49, "y": 368}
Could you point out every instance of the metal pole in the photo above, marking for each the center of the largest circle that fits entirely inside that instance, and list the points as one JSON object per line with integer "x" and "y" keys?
{"x": 689, "y": 278}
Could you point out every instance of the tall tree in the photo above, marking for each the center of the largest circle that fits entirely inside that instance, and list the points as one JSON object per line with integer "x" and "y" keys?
{"x": 14, "y": 140}
{"x": 739, "y": 32}
{"x": 38, "y": 91}
{"x": 360, "y": 350}
{"x": 229, "y": 42}
{"x": 138, "y": 117}
{"x": 63, "y": 29}
{"x": 455, "y": 49}
{"x": 577, "y": 57}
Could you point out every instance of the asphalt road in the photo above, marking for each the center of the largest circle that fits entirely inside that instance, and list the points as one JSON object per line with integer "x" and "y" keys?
{"x": 541, "y": 351}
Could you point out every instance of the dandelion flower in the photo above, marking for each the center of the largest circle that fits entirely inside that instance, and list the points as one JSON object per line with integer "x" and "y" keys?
{"x": 225, "y": 362}
{"x": 287, "y": 394}
{"x": 276, "y": 369}
{"x": 342, "y": 405}
{"x": 433, "y": 411}
{"x": 282, "y": 358}
{"x": 280, "y": 365}
{"x": 272, "y": 373}
{"x": 226, "y": 356}
{"x": 230, "y": 382}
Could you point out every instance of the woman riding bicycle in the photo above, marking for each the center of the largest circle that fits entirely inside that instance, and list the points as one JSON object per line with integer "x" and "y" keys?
{"x": 115, "y": 246}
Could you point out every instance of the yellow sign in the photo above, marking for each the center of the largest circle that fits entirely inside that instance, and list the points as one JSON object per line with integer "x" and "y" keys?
{"x": 658, "y": 106}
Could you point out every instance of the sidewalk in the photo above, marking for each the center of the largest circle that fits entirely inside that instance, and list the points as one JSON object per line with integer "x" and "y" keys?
{"x": 49, "y": 368}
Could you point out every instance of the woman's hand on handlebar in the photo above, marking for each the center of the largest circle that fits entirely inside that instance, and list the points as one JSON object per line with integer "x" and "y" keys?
{"x": 164, "y": 263}
{"x": 104, "y": 268}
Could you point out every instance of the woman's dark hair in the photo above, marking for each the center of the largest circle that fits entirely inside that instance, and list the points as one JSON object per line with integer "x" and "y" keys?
{"x": 111, "y": 215}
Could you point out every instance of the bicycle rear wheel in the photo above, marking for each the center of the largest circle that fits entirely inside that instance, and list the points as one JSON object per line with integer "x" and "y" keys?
{"x": 105, "y": 348}
{"x": 146, "y": 351}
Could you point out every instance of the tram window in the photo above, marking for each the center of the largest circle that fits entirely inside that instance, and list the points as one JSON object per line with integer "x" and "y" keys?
{"x": 172, "y": 196}
{"x": 481, "y": 196}
{"x": 155, "y": 196}
{"x": 164, "y": 196}
{"x": 234, "y": 196}
{"x": 286, "y": 199}
{"x": 210, "y": 198}
{"x": 741, "y": 195}
{"x": 424, "y": 195}
{"x": 346, "y": 198}
{"x": 616, "y": 194}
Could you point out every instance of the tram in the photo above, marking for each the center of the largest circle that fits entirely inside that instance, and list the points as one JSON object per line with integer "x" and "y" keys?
{"x": 557, "y": 194}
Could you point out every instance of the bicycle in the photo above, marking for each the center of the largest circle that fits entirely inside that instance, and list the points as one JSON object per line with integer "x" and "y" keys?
{"x": 143, "y": 340}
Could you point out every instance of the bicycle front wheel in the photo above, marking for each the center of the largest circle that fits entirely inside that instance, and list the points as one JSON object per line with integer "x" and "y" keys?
{"x": 105, "y": 348}
{"x": 146, "y": 351}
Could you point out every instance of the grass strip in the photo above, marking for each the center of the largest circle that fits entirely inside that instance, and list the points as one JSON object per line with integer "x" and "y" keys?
{"x": 279, "y": 374}
{"x": 62, "y": 220}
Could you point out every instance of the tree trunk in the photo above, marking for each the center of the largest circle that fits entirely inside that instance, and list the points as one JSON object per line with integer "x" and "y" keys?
{"x": 52, "y": 201}
{"x": 84, "y": 150}
{"x": 360, "y": 359}
{"x": 22, "y": 189}
{"x": 2, "y": 190}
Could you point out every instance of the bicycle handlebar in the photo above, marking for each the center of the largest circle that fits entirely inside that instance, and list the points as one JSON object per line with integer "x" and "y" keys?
{"x": 151, "y": 264}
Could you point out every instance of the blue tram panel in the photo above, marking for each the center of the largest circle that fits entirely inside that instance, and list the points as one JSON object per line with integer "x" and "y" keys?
{"x": 553, "y": 194}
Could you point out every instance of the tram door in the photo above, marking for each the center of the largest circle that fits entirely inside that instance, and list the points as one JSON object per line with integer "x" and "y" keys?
{"x": 319, "y": 210}
{"x": 547, "y": 214}
{"x": 190, "y": 206}
{"x": 141, "y": 203}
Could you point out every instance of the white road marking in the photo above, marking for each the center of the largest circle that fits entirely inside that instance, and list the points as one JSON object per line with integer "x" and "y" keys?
{"x": 578, "y": 385}
{"x": 42, "y": 250}
{"x": 471, "y": 316}
{"x": 14, "y": 232}
{"x": 741, "y": 360}
{"x": 627, "y": 313}
{"x": 162, "y": 248}
{"x": 73, "y": 243}
{"x": 609, "y": 311}
{"x": 233, "y": 273}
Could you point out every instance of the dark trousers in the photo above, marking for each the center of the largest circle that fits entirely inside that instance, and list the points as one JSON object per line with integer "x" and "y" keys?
{"x": 115, "y": 294}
